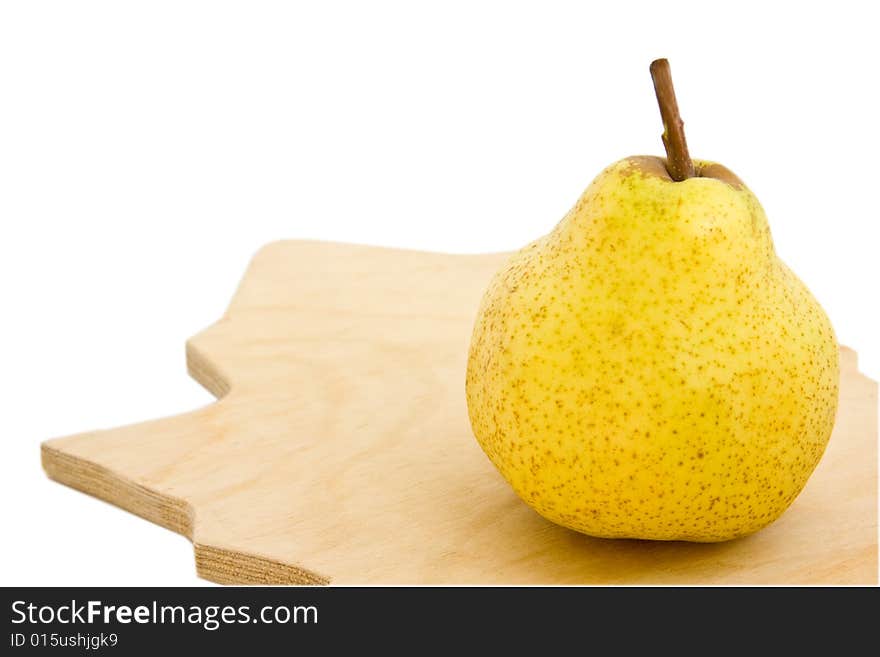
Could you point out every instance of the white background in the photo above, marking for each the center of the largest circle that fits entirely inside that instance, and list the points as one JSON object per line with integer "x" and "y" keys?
{"x": 148, "y": 149}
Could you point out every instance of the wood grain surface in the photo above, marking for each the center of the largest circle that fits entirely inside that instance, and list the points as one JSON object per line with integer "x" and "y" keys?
{"x": 340, "y": 450}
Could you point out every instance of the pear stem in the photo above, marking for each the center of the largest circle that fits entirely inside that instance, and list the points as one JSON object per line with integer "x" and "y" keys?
{"x": 678, "y": 160}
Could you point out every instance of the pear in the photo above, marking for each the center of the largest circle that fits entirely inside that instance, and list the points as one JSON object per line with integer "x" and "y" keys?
{"x": 650, "y": 368}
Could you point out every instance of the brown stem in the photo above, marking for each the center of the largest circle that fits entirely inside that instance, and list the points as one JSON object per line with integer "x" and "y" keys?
{"x": 678, "y": 161}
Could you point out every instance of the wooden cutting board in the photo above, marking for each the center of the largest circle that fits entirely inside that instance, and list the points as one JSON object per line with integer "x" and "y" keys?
{"x": 340, "y": 449}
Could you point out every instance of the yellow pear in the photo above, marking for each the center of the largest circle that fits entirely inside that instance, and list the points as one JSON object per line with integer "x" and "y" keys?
{"x": 651, "y": 369}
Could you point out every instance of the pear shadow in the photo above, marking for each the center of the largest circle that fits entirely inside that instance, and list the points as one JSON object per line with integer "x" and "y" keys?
{"x": 507, "y": 542}
{"x": 592, "y": 560}
{"x": 644, "y": 556}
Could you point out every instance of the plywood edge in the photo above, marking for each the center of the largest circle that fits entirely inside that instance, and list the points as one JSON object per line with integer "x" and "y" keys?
{"x": 216, "y": 564}
{"x": 200, "y": 367}
{"x": 225, "y": 566}
{"x": 213, "y": 563}
{"x": 101, "y": 482}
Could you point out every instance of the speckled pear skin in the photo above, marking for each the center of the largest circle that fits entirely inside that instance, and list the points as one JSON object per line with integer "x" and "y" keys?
{"x": 651, "y": 369}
